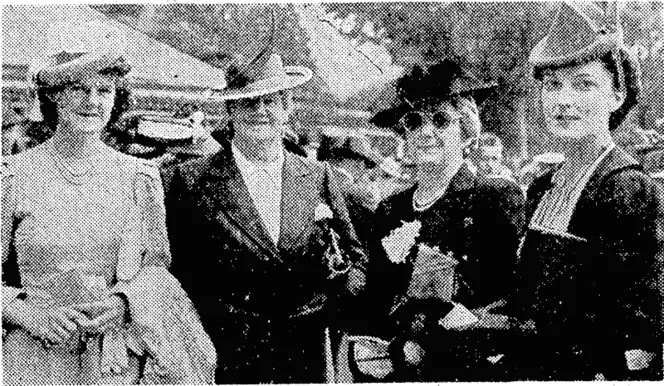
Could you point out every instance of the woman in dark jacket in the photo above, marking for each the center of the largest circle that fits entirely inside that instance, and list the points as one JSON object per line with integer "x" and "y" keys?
{"x": 449, "y": 241}
{"x": 592, "y": 255}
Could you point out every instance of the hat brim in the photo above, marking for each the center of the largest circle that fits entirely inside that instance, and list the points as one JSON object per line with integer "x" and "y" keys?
{"x": 81, "y": 67}
{"x": 601, "y": 45}
{"x": 294, "y": 76}
{"x": 390, "y": 117}
{"x": 196, "y": 148}
{"x": 167, "y": 131}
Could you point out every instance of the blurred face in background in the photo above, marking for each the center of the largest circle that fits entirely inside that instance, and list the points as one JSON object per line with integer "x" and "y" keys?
{"x": 490, "y": 160}
{"x": 578, "y": 100}
{"x": 85, "y": 106}
{"x": 433, "y": 136}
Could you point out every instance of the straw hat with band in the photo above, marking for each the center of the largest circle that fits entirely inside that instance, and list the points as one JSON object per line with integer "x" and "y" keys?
{"x": 84, "y": 50}
{"x": 422, "y": 88}
{"x": 69, "y": 67}
{"x": 78, "y": 57}
{"x": 265, "y": 75}
{"x": 583, "y": 32}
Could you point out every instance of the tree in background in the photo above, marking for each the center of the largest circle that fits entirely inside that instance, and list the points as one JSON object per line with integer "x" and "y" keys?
{"x": 492, "y": 39}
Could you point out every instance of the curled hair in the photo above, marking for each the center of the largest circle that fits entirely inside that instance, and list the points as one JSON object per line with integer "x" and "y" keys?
{"x": 471, "y": 126}
{"x": 625, "y": 74}
{"x": 609, "y": 60}
{"x": 49, "y": 111}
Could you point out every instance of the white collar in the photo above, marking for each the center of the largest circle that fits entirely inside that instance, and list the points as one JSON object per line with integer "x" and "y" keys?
{"x": 248, "y": 167}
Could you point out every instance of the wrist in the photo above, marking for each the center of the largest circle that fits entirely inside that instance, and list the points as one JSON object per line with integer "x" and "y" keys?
{"x": 15, "y": 312}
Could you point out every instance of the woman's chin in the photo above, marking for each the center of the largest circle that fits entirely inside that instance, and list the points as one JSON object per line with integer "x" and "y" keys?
{"x": 87, "y": 130}
{"x": 567, "y": 132}
{"x": 86, "y": 127}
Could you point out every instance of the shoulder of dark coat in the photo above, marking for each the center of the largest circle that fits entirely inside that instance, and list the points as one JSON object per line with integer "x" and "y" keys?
{"x": 498, "y": 192}
{"x": 193, "y": 169}
{"x": 500, "y": 186}
{"x": 630, "y": 181}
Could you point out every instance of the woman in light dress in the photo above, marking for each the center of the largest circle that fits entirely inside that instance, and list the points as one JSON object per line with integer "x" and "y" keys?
{"x": 87, "y": 297}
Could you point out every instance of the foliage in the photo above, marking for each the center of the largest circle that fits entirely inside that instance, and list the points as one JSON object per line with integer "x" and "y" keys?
{"x": 492, "y": 39}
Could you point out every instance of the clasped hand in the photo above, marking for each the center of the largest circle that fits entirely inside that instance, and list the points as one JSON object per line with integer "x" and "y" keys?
{"x": 56, "y": 325}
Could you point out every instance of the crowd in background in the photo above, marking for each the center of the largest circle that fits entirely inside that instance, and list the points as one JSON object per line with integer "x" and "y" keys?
{"x": 158, "y": 249}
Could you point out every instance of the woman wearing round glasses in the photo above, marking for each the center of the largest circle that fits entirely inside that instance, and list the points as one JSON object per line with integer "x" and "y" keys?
{"x": 592, "y": 256}
{"x": 446, "y": 245}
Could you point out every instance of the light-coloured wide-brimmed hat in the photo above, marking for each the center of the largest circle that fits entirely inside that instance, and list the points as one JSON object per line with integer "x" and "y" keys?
{"x": 88, "y": 49}
{"x": 91, "y": 49}
{"x": 266, "y": 76}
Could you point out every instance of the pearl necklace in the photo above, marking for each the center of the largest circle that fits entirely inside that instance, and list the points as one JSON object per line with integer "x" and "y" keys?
{"x": 419, "y": 206}
{"x": 76, "y": 176}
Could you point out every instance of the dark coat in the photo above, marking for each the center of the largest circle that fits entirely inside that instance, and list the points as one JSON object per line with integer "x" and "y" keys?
{"x": 265, "y": 306}
{"x": 478, "y": 218}
{"x": 591, "y": 301}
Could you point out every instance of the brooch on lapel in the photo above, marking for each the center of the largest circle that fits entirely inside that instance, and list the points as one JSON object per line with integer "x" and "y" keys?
{"x": 400, "y": 241}
{"x": 336, "y": 263}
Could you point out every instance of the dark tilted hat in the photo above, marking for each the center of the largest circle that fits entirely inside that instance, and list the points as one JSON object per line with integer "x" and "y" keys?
{"x": 583, "y": 32}
{"x": 264, "y": 75}
{"x": 423, "y": 87}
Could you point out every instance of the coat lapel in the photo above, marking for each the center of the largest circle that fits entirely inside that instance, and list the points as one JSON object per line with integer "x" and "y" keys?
{"x": 455, "y": 202}
{"x": 298, "y": 197}
{"x": 228, "y": 195}
{"x": 617, "y": 159}
{"x": 459, "y": 188}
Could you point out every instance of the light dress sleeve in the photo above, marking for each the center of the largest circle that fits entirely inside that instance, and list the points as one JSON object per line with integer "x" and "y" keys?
{"x": 163, "y": 321}
{"x": 9, "y": 200}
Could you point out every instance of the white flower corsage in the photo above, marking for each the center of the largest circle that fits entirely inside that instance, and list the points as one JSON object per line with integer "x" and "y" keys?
{"x": 322, "y": 212}
{"x": 336, "y": 263}
{"x": 399, "y": 242}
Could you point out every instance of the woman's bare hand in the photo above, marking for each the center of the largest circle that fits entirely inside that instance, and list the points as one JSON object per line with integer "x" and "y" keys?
{"x": 54, "y": 325}
{"x": 102, "y": 315}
